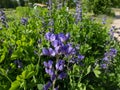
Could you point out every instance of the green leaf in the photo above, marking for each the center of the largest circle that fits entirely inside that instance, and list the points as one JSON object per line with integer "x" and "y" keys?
{"x": 2, "y": 57}
{"x": 24, "y": 74}
{"x": 30, "y": 74}
{"x": 2, "y": 71}
{"x": 14, "y": 55}
{"x": 40, "y": 86}
{"x": 88, "y": 69}
{"x": 15, "y": 85}
{"x": 97, "y": 71}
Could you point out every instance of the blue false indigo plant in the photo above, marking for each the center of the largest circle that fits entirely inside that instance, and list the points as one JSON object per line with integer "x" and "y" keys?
{"x": 111, "y": 32}
{"x": 51, "y": 25}
{"x": 50, "y": 7}
{"x": 3, "y": 19}
{"x": 24, "y": 21}
{"x": 59, "y": 49}
{"x": 59, "y": 4}
{"x": 108, "y": 57}
{"x": 78, "y": 14}
{"x": 18, "y": 63}
{"x": 104, "y": 20}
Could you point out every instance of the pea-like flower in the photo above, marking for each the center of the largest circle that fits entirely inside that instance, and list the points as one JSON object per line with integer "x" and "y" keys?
{"x": 2, "y": 18}
{"x": 60, "y": 65}
{"x": 52, "y": 37}
{"x": 45, "y": 51}
{"x": 106, "y": 59}
{"x": 47, "y": 86}
{"x": 24, "y": 21}
{"x": 48, "y": 67}
{"x": 57, "y": 43}
{"x": 81, "y": 57}
{"x": 108, "y": 56}
{"x": 52, "y": 52}
{"x": 18, "y": 63}
{"x": 48, "y": 52}
{"x": 62, "y": 75}
{"x": 2, "y": 13}
{"x": 104, "y": 66}
{"x": 49, "y": 36}
{"x": 48, "y": 64}
{"x": 113, "y": 52}
{"x": 62, "y": 37}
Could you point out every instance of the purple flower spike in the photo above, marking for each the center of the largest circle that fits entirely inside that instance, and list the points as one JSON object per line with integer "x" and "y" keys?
{"x": 45, "y": 51}
{"x": 47, "y": 86}
{"x": 62, "y": 75}
{"x": 113, "y": 52}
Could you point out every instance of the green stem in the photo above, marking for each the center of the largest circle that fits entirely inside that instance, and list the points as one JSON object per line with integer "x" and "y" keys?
{"x": 8, "y": 79}
{"x": 54, "y": 84}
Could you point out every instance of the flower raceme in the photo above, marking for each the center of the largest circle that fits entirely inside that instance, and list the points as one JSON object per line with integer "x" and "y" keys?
{"x": 108, "y": 56}
{"x": 59, "y": 48}
{"x": 57, "y": 41}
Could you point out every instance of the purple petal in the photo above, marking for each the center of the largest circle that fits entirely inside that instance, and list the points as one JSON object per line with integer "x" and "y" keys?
{"x": 104, "y": 66}
{"x": 55, "y": 43}
{"x": 52, "y": 37}
{"x": 50, "y": 72}
{"x": 47, "y": 35}
{"x": 62, "y": 75}
{"x": 45, "y": 51}
{"x": 47, "y": 86}
{"x": 47, "y": 70}
{"x": 67, "y": 36}
{"x": 45, "y": 64}
{"x": 62, "y": 37}
{"x": 53, "y": 77}
{"x": 105, "y": 59}
{"x": 81, "y": 57}
{"x": 57, "y": 50}
{"x": 50, "y": 62}
{"x": 52, "y": 52}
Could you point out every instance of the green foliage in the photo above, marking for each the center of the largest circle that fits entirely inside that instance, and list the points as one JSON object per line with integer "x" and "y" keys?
{"x": 20, "y": 42}
{"x": 98, "y": 6}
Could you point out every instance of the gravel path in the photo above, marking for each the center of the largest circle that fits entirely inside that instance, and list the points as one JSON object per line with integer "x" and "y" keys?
{"x": 116, "y": 23}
